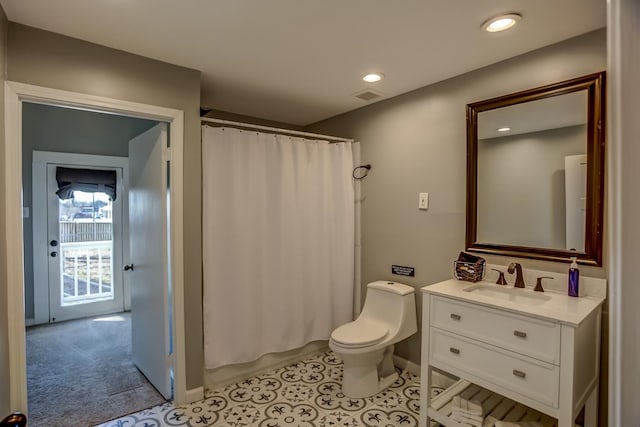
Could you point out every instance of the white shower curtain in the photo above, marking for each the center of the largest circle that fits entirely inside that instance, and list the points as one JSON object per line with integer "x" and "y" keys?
{"x": 278, "y": 242}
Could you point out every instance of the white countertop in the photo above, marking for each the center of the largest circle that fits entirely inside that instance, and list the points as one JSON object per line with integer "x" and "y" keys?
{"x": 559, "y": 307}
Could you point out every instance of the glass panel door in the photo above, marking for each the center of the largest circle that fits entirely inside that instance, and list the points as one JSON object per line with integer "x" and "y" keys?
{"x": 84, "y": 251}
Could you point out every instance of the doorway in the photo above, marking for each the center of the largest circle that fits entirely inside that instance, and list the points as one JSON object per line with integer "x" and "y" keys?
{"x": 80, "y": 243}
{"x": 16, "y": 95}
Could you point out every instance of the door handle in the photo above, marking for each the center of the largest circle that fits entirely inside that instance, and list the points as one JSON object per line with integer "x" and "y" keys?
{"x": 54, "y": 254}
{"x": 127, "y": 267}
{"x": 53, "y": 243}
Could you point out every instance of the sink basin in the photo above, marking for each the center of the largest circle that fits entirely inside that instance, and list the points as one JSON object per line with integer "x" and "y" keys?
{"x": 515, "y": 295}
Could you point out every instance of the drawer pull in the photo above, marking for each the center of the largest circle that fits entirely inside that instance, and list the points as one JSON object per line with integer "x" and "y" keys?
{"x": 519, "y": 374}
{"x": 455, "y": 316}
{"x": 520, "y": 334}
{"x": 455, "y": 350}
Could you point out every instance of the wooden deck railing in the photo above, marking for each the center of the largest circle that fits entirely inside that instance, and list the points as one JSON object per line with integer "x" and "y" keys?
{"x": 86, "y": 272}
{"x": 71, "y": 231}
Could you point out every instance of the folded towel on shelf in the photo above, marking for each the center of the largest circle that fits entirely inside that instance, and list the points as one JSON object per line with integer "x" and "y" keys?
{"x": 462, "y": 418}
{"x": 518, "y": 424}
{"x": 489, "y": 421}
{"x": 459, "y": 413}
{"x": 472, "y": 407}
{"x": 467, "y": 412}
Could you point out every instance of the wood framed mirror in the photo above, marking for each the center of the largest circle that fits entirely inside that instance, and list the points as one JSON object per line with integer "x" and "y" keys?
{"x": 535, "y": 172}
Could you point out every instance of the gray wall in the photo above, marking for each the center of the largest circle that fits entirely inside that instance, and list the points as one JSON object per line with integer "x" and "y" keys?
{"x": 47, "y": 59}
{"x": 521, "y": 186}
{"x": 47, "y": 128}
{"x": 417, "y": 143}
{"x": 5, "y": 406}
{"x": 223, "y": 115}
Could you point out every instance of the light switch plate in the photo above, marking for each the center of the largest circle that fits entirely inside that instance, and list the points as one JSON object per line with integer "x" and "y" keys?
{"x": 423, "y": 201}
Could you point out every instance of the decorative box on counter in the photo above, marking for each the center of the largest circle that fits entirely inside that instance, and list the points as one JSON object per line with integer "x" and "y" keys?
{"x": 469, "y": 268}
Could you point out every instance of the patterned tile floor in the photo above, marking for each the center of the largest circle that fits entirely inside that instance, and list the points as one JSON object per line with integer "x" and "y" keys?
{"x": 303, "y": 394}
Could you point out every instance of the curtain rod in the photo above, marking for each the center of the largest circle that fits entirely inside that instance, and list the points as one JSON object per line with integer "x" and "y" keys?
{"x": 269, "y": 128}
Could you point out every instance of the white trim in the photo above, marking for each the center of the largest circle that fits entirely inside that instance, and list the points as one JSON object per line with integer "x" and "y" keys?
{"x": 357, "y": 277}
{"x": 614, "y": 206}
{"x": 15, "y": 94}
{"x": 195, "y": 394}
{"x": 39, "y": 227}
{"x": 177, "y": 256}
{"x": 406, "y": 365}
{"x": 15, "y": 273}
{"x": 39, "y": 218}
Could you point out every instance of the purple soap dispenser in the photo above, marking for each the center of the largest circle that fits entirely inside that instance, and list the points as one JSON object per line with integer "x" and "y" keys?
{"x": 574, "y": 278}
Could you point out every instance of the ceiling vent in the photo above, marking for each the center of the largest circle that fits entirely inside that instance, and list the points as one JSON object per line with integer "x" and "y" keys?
{"x": 367, "y": 95}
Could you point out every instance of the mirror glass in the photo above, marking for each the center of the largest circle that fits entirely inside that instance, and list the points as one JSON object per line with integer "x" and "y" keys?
{"x": 535, "y": 172}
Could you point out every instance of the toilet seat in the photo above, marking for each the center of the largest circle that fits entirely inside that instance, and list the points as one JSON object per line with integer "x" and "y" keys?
{"x": 360, "y": 333}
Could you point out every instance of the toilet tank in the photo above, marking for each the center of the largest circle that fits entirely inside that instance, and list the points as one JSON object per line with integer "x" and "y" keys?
{"x": 392, "y": 303}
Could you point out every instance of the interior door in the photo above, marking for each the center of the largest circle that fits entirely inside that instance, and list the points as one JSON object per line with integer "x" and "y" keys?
{"x": 575, "y": 190}
{"x": 147, "y": 271}
{"x": 84, "y": 244}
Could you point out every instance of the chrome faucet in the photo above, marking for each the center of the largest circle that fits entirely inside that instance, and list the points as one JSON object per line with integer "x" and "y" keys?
{"x": 515, "y": 266}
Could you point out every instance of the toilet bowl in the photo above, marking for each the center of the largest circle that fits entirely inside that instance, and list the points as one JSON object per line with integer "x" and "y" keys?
{"x": 366, "y": 344}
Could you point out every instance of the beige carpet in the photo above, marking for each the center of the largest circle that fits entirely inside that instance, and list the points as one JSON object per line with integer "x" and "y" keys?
{"x": 80, "y": 373}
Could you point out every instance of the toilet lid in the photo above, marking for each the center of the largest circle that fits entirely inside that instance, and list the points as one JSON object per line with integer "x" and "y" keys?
{"x": 360, "y": 333}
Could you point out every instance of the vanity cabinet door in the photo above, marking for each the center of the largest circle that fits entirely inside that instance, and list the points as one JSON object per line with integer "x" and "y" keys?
{"x": 526, "y": 376}
{"x": 528, "y": 336}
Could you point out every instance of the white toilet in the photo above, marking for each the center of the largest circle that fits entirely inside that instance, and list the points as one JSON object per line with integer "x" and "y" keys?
{"x": 366, "y": 344}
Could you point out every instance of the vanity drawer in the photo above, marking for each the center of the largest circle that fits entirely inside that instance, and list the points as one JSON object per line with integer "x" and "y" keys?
{"x": 528, "y": 377}
{"x": 529, "y": 336}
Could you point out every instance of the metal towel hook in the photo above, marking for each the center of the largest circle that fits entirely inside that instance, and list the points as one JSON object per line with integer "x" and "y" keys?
{"x": 366, "y": 168}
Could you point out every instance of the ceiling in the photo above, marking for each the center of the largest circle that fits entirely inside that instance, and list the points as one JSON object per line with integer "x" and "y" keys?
{"x": 301, "y": 61}
{"x": 550, "y": 113}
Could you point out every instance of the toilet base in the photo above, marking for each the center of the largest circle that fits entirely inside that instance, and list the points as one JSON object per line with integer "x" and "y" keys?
{"x": 369, "y": 373}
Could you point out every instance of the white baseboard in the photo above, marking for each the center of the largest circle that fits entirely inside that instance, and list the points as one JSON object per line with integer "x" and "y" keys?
{"x": 437, "y": 378}
{"x": 406, "y": 365}
{"x": 195, "y": 394}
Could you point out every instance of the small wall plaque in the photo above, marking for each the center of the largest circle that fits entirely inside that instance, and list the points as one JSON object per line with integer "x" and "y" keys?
{"x": 403, "y": 271}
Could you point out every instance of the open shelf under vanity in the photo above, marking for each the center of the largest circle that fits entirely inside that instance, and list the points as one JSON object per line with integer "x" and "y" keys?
{"x": 495, "y": 405}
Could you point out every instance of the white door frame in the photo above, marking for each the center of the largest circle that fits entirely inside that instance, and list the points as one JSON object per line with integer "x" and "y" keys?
{"x": 39, "y": 214}
{"x": 15, "y": 94}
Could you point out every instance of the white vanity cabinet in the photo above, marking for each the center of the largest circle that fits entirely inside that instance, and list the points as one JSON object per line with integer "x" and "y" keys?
{"x": 545, "y": 356}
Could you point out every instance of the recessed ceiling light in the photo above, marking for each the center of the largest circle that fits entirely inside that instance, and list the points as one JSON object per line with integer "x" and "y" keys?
{"x": 501, "y": 23}
{"x": 504, "y": 129}
{"x": 372, "y": 77}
